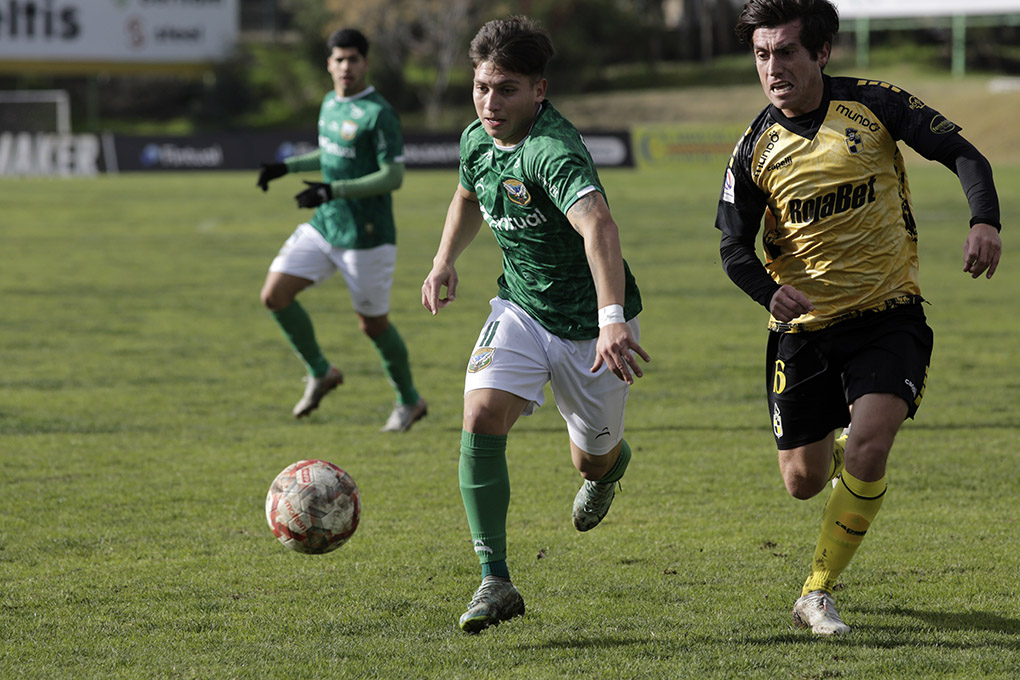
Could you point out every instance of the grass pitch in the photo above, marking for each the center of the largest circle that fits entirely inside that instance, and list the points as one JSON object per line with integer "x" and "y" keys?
{"x": 145, "y": 409}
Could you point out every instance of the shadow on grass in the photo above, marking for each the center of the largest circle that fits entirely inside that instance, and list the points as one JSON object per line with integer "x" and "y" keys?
{"x": 966, "y": 621}
{"x": 892, "y": 636}
{"x": 593, "y": 643}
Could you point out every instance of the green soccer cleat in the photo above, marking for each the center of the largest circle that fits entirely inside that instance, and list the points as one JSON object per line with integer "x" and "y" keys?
{"x": 592, "y": 503}
{"x": 817, "y": 611}
{"x": 495, "y": 600}
{"x": 316, "y": 389}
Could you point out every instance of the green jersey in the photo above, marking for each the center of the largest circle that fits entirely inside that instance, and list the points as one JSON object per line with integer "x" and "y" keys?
{"x": 525, "y": 192}
{"x": 356, "y": 135}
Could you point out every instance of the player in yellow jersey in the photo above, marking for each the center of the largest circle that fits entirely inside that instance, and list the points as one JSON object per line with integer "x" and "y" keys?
{"x": 848, "y": 339}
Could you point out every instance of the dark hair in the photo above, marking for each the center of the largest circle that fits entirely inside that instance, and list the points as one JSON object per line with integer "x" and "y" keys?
{"x": 517, "y": 44}
{"x": 348, "y": 37}
{"x": 820, "y": 20}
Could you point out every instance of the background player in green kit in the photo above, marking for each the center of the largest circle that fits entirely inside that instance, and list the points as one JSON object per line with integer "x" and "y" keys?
{"x": 360, "y": 155}
{"x": 567, "y": 304}
{"x": 848, "y": 338}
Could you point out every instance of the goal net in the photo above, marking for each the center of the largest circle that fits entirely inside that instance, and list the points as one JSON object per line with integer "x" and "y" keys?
{"x": 35, "y": 111}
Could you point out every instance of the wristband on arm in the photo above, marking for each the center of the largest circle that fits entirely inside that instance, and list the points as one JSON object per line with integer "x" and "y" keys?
{"x": 611, "y": 314}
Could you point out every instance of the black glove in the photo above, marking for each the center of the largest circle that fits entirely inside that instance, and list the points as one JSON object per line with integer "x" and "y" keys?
{"x": 268, "y": 173}
{"x": 316, "y": 194}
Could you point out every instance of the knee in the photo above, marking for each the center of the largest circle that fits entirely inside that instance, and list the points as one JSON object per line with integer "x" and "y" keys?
{"x": 373, "y": 326}
{"x": 867, "y": 459}
{"x": 273, "y": 300}
{"x": 802, "y": 484}
{"x": 483, "y": 419}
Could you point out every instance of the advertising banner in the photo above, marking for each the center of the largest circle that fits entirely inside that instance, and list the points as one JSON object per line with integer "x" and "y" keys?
{"x": 244, "y": 151}
{"x": 662, "y": 145}
{"x": 118, "y": 31}
{"x": 876, "y": 9}
{"x": 42, "y": 154}
{"x": 64, "y": 155}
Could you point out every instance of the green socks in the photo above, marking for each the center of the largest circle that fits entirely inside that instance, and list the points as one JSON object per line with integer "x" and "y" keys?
{"x": 297, "y": 328}
{"x": 300, "y": 333}
{"x": 485, "y": 489}
{"x": 395, "y": 362}
{"x": 615, "y": 473}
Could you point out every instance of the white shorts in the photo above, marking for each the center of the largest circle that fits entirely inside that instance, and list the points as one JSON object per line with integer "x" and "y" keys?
{"x": 514, "y": 353}
{"x": 368, "y": 273}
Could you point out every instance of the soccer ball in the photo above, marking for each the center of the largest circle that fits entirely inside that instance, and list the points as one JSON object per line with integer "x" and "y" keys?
{"x": 313, "y": 506}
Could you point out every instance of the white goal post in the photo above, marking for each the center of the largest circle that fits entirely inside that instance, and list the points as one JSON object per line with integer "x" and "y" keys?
{"x": 35, "y": 111}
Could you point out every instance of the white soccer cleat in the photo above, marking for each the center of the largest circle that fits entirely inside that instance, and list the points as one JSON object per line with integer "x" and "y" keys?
{"x": 316, "y": 389}
{"x": 495, "y": 600}
{"x": 817, "y": 611}
{"x": 404, "y": 416}
{"x": 592, "y": 503}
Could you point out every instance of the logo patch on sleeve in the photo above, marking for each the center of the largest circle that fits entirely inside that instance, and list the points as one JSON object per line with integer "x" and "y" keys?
{"x": 480, "y": 359}
{"x": 727, "y": 187}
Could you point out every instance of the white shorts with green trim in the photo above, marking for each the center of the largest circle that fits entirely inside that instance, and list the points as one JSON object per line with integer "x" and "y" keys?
{"x": 514, "y": 353}
{"x": 368, "y": 273}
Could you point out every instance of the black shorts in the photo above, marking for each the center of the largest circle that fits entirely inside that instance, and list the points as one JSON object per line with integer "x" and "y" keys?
{"x": 813, "y": 377}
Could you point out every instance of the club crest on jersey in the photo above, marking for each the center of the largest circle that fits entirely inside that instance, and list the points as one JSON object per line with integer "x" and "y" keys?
{"x": 516, "y": 191}
{"x": 348, "y": 129}
{"x": 853, "y": 140}
{"x": 480, "y": 358}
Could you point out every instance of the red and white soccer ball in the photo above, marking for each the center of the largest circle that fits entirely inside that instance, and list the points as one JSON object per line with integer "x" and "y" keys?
{"x": 313, "y": 506}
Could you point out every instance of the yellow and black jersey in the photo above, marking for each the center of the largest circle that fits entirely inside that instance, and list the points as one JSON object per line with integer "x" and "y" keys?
{"x": 833, "y": 194}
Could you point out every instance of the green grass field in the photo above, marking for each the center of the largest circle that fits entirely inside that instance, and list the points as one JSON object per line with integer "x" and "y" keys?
{"x": 145, "y": 403}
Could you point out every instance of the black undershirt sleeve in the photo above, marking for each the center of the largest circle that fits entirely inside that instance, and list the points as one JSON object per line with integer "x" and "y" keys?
{"x": 746, "y": 270}
{"x": 975, "y": 173}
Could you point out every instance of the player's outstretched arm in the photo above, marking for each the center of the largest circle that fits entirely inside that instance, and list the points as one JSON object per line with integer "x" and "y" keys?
{"x": 982, "y": 250}
{"x": 616, "y": 345}
{"x": 269, "y": 172}
{"x": 463, "y": 220}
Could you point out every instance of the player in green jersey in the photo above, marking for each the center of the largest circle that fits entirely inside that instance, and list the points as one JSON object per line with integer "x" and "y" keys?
{"x": 566, "y": 310}
{"x": 360, "y": 156}
{"x": 819, "y": 171}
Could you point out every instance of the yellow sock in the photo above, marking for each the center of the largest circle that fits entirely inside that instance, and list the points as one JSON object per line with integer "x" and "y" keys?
{"x": 848, "y": 514}
{"x": 838, "y": 452}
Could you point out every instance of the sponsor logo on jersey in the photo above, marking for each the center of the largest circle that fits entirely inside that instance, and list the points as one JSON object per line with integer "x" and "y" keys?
{"x": 859, "y": 118}
{"x": 517, "y": 192}
{"x": 846, "y": 197}
{"x": 727, "y": 187}
{"x": 780, "y": 164}
{"x": 853, "y": 140}
{"x": 514, "y": 223}
{"x": 327, "y": 145}
{"x": 777, "y": 421}
{"x": 941, "y": 126}
{"x": 767, "y": 151}
{"x": 480, "y": 359}
{"x": 916, "y": 103}
{"x": 348, "y": 130}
